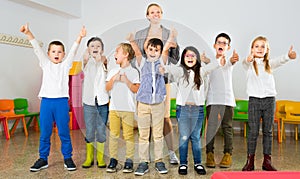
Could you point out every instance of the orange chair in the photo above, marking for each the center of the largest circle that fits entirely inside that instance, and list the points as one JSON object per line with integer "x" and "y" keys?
{"x": 292, "y": 116}
{"x": 7, "y": 110}
{"x": 5, "y": 128}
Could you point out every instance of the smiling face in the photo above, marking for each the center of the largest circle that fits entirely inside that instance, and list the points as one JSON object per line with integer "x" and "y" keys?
{"x": 221, "y": 45}
{"x": 95, "y": 48}
{"x": 154, "y": 14}
{"x": 153, "y": 52}
{"x": 190, "y": 59}
{"x": 56, "y": 53}
{"x": 259, "y": 48}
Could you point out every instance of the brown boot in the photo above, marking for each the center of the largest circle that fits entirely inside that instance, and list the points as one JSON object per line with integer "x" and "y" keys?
{"x": 249, "y": 166}
{"x": 210, "y": 160}
{"x": 267, "y": 163}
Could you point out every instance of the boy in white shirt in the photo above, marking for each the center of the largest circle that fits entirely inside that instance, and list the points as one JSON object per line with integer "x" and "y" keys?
{"x": 220, "y": 103}
{"x": 54, "y": 93}
{"x": 122, "y": 83}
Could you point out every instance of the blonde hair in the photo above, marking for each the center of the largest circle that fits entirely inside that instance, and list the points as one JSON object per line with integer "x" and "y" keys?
{"x": 153, "y": 4}
{"x": 266, "y": 57}
{"x": 127, "y": 48}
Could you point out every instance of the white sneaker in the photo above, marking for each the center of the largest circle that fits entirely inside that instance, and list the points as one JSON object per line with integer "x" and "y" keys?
{"x": 173, "y": 158}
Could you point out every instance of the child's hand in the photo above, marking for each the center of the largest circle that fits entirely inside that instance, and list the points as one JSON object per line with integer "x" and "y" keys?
{"x": 250, "y": 58}
{"x": 161, "y": 69}
{"x": 204, "y": 59}
{"x": 292, "y": 54}
{"x": 25, "y": 29}
{"x": 234, "y": 58}
{"x": 117, "y": 77}
{"x": 83, "y": 32}
{"x": 123, "y": 78}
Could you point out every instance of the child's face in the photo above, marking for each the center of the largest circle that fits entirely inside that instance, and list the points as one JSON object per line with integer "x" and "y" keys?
{"x": 153, "y": 53}
{"x": 154, "y": 14}
{"x": 221, "y": 46}
{"x": 190, "y": 59}
{"x": 120, "y": 55}
{"x": 259, "y": 48}
{"x": 56, "y": 53}
{"x": 95, "y": 48}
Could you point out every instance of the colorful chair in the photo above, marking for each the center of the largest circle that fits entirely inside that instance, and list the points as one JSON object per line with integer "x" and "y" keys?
{"x": 7, "y": 110}
{"x": 292, "y": 116}
{"x": 21, "y": 107}
{"x": 240, "y": 113}
{"x": 279, "y": 114}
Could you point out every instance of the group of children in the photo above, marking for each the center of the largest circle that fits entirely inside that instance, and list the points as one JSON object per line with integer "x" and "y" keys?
{"x": 118, "y": 94}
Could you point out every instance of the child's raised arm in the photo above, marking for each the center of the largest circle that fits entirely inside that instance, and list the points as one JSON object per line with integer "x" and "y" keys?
{"x": 81, "y": 35}
{"x": 138, "y": 53}
{"x": 25, "y": 29}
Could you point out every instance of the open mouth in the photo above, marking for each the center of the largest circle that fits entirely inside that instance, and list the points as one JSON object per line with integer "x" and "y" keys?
{"x": 56, "y": 58}
{"x": 190, "y": 61}
{"x": 220, "y": 49}
{"x": 95, "y": 51}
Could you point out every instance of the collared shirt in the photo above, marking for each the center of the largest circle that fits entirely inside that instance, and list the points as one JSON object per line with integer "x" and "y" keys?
{"x": 94, "y": 83}
{"x": 220, "y": 89}
{"x": 152, "y": 89}
{"x": 263, "y": 84}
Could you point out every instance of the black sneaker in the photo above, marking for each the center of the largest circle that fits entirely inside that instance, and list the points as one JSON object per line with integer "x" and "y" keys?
{"x": 69, "y": 164}
{"x": 161, "y": 168}
{"x": 38, "y": 165}
{"x": 200, "y": 169}
{"x": 128, "y": 166}
{"x": 142, "y": 169}
{"x": 112, "y": 166}
{"x": 182, "y": 170}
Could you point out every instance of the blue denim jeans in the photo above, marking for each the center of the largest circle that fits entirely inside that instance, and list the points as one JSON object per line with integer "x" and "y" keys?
{"x": 190, "y": 119}
{"x": 95, "y": 118}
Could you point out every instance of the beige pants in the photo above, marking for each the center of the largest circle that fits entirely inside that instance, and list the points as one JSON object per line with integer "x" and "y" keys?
{"x": 151, "y": 116}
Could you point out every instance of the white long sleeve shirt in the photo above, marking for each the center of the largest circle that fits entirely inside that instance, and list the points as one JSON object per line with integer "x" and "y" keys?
{"x": 263, "y": 84}
{"x": 220, "y": 90}
{"x": 94, "y": 83}
{"x": 55, "y": 82}
{"x": 185, "y": 89}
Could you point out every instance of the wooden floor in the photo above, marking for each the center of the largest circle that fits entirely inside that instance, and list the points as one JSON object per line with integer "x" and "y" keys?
{"x": 19, "y": 153}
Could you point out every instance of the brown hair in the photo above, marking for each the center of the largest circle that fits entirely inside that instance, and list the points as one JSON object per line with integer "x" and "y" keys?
{"x": 58, "y": 43}
{"x": 266, "y": 57}
{"x": 127, "y": 48}
{"x": 153, "y": 4}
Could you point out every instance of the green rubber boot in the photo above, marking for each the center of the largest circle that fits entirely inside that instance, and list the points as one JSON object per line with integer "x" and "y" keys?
{"x": 100, "y": 155}
{"x": 89, "y": 156}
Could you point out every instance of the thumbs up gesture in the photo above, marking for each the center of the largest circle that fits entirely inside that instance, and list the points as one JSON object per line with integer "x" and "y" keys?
{"x": 204, "y": 59}
{"x": 234, "y": 58}
{"x": 292, "y": 54}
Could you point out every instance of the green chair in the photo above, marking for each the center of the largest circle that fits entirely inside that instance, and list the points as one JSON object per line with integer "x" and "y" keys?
{"x": 173, "y": 108}
{"x": 240, "y": 113}
{"x": 21, "y": 107}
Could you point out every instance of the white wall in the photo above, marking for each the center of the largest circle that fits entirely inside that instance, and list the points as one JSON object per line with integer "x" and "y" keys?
{"x": 197, "y": 22}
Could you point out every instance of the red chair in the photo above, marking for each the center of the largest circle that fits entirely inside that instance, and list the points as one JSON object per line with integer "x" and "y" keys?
{"x": 7, "y": 110}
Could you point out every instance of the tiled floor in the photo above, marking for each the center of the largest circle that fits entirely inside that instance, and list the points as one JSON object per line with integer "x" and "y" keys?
{"x": 20, "y": 152}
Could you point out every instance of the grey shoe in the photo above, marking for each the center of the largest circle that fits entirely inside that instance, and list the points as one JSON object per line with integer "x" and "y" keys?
{"x": 142, "y": 169}
{"x": 173, "y": 158}
{"x": 161, "y": 168}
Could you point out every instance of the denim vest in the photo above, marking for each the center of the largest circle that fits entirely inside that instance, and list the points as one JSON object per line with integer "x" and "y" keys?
{"x": 152, "y": 87}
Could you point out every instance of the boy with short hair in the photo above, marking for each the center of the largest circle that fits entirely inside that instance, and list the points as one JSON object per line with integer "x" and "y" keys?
{"x": 122, "y": 83}
{"x": 54, "y": 93}
{"x": 150, "y": 108}
{"x": 220, "y": 103}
